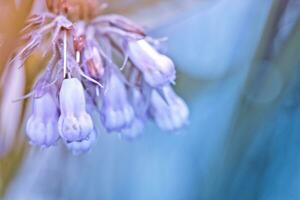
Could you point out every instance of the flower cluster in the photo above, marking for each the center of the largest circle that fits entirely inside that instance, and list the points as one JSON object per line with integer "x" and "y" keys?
{"x": 108, "y": 64}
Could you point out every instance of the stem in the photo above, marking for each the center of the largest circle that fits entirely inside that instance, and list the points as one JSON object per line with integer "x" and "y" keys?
{"x": 65, "y": 53}
{"x": 78, "y": 57}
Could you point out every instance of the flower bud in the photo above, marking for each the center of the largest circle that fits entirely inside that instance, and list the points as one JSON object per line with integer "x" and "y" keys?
{"x": 74, "y": 123}
{"x": 79, "y": 36}
{"x": 157, "y": 69}
{"x": 116, "y": 111}
{"x": 93, "y": 62}
{"x": 168, "y": 110}
{"x": 41, "y": 127}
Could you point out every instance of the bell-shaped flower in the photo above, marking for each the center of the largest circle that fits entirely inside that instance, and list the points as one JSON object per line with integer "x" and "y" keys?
{"x": 139, "y": 97}
{"x": 169, "y": 111}
{"x": 41, "y": 127}
{"x": 139, "y": 101}
{"x": 116, "y": 111}
{"x": 83, "y": 146}
{"x": 134, "y": 130}
{"x": 157, "y": 69}
{"x": 74, "y": 123}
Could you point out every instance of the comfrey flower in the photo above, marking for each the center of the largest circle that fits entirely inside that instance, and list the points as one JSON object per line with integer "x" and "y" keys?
{"x": 157, "y": 69}
{"x": 41, "y": 127}
{"x": 83, "y": 73}
{"x": 134, "y": 130}
{"x": 139, "y": 99}
{"x": 168, "y": 110}
{"x": 116, "y": 110}
{"x": 74, "y": 123}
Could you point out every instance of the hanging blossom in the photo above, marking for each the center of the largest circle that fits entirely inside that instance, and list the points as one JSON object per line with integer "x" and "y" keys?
{"x": 107, "y": 63}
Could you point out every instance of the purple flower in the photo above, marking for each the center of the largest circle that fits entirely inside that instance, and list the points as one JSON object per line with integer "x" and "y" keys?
{"x": 134, "y": 130}
{"x": 139, "y": 101}
{"x": 83, "y": 146}
{"x": 168, "y": 110}
{"x": 116, "y": 111}
{"x": 41, "y": 127}
{"x": 157, "y": 69}
{"x": 74, "y": 123}
{"x": 140, "y": 104}
{"x": 83, "y": 69}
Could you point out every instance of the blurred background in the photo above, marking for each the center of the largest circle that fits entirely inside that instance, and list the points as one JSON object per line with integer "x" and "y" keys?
{"x": 238, "y": 69}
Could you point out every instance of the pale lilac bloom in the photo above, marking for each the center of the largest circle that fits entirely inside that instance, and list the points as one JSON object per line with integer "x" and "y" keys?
{"x": 139, "y": 100}
{"x": 83, "y": 146}
{"x": 82, "y": 67}
{"x": 116, "y": 111}
{"x": 134, "y": 130}
{"x": 74, "y": 123}
{"x": 168, "y": 110}
{"x": 41, "y": 127}
{"x": 157, "y": 69}
{"x": 140, "y": 107}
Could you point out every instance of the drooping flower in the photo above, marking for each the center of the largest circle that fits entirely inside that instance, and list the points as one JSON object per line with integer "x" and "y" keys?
{"x": 139, "y": 98}
{"x": 85, "y": 49}
{"x": 116, "y": 111}
{"x": 74, "y": 123}
{"x": 157, "y": 69}
{"x": 41, "y": 127}
{"x": 134, "y": 130}
{"x": 168, "y": 110}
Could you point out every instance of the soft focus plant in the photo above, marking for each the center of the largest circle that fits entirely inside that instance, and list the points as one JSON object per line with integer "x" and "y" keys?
{"x": 84, "y": 72}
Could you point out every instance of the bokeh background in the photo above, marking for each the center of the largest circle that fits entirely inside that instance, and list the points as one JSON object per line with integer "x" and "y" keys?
{"x": 238, "y": 67}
